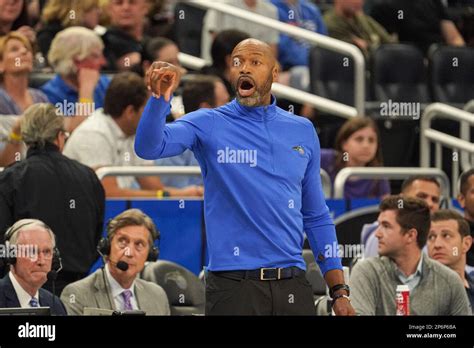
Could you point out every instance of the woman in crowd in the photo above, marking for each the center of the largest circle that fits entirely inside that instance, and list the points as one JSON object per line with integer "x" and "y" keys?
{"x": 60, "y": 14}
{"x": 357, "y": 145}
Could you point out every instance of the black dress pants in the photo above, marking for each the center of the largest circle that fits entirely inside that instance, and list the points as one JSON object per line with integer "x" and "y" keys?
{"x": 226, "y": 295}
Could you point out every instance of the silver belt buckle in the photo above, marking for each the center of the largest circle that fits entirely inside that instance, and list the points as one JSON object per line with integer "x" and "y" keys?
{"x": 262, "y": 270}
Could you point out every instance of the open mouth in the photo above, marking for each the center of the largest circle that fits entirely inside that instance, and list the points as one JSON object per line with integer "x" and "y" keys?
{"x": 246, "y": 87}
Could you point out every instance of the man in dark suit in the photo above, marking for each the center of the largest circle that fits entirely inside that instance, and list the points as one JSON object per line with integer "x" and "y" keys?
{"x": 30, "y": 251}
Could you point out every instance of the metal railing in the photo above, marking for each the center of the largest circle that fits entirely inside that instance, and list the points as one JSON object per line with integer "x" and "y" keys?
{"x": 179, "y": 170}
{"x": 469, "y": 107}
{"x": 312, "y": 37}
{"x": 290, "y": 93}
{"x": 462, "y": 148}
{"x": 387, "y": 173}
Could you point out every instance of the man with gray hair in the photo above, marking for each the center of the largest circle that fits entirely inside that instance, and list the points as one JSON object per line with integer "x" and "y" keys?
{"x": 30, "y": 253}
{"x": 78, "y": 88}
{"x": 55, "y": 189}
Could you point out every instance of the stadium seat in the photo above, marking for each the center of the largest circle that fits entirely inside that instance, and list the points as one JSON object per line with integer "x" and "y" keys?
{"x": 332, "y": 75}
{"x": 451, "y": 74}
{"x": 188, "y": 29}
{"x": 399, "y": 74}
{"x": 348, "y": 228}
{"x": 185, "y": 291}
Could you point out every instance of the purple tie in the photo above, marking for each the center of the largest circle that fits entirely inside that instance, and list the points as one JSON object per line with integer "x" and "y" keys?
{"x": 127, "y": 295}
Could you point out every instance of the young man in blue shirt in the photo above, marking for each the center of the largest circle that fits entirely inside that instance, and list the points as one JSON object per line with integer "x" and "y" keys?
{"x": 260, "y": 167}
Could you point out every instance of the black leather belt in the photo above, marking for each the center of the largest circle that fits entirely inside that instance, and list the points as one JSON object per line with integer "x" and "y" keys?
{"x": 263, "y": 273}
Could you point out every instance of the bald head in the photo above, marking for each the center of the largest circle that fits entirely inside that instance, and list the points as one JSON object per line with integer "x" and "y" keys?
{"x": 257, "y": 47}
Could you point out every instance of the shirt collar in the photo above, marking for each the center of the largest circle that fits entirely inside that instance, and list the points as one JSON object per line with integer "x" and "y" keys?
{"x": 63, "y": 86}
{"x": 115, "y": 288}
{"x": 417, "y": 273}
{"x": 257, "y": 113}
{"x": 23, "y": 297}
{"x": 116, "y": 131}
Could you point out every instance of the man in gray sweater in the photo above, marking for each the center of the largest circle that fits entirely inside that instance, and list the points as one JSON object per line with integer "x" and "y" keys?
{"x": 434, "y": 288}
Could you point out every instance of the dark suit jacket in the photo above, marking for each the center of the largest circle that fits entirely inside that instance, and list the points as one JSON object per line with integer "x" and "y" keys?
{"x": 8, "y": 298}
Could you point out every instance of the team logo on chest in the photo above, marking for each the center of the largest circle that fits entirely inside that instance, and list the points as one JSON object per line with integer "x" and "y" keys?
{"x": 299, "y": 149}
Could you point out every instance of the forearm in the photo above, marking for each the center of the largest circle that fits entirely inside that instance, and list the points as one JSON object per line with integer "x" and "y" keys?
{"x": 150, "y": 132}
{"x": 451, "y": 34}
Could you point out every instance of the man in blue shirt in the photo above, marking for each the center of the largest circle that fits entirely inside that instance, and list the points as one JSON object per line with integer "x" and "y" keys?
{"x": 260, "y": 166}
{"x": 304, "y": 14}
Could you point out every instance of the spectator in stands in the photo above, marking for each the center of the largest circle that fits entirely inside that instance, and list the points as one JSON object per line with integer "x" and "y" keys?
{"x": 48, "y": 186}
{"x": 422, "y": 22}
{"x": 76, "y": 56}
{"x": 106, "y": 138}
{"x": 21, "y": 287}
{"x": 124, "y": 39}
{"x": 304, "y": 14}
{"x": 466, "y": 200}
{"x": 448, "y": 242}
{"x": 163, "y": 49}
{"x": 348, "y": 22}
{"x": 215, "y": 21}
{"x": 14, "y": 17}
{"x": 357, "y": 145}
{"x": 221, "y": 52}
{"x": 201, "y": 92}
{"x": 404, "y": 223}
{"x": 16, "y": 63}
{"x": 425, "y": 188}
{"x": 60, "y": 14}
{"x": 129, "y": 243}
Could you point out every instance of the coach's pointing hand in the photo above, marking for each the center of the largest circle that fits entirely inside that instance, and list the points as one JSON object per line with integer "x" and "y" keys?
{"x": 162, "y": 79}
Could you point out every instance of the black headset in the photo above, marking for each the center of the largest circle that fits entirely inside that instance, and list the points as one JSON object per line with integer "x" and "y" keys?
{"x": 56, "y": 264}
{"x": 103, "y": 248}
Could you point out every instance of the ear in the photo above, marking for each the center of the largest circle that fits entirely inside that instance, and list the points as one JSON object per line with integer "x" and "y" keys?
{"x": 462, "y": 200}
{"x": 129, "y": 112}
{"x": 276, "y": 72}
{"x": 466, "y": 244}
{"x": 412, "y": 235}
{"x": 205, "y": 105}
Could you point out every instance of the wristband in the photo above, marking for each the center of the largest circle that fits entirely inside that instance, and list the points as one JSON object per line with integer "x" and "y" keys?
{"x": 338, "y": 287}
{"x": 159, "y": 194}
{"x": 14, "y": 138}
{"x": 85, "y": 100}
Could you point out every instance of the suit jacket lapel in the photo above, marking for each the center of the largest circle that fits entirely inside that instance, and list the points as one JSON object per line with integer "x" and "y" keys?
{"x": 11, "y": 299}
{"x": 102, "y": 293}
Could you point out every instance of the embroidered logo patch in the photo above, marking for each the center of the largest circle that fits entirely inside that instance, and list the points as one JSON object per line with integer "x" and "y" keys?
{"x": 299, "y": 149}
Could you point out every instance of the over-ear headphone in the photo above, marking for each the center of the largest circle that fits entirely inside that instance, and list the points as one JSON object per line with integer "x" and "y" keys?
{"x": 56, "y": 263}
{"x": 103, "y": 248}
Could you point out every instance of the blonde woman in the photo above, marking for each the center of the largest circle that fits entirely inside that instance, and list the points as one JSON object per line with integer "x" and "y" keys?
{"x": 16, "y": 63}
{"x": 60, "y": 14}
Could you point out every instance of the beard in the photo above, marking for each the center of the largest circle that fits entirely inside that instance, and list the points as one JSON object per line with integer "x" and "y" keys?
{"x": 256, "y": 99}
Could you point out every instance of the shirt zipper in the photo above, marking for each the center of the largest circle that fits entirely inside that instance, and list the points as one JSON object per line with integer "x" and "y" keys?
{"x": 269, "y": 137}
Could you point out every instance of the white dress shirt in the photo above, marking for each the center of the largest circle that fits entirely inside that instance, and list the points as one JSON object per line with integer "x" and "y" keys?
{"x": 23, "y": 297}
{"x": 116, "y": 291}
